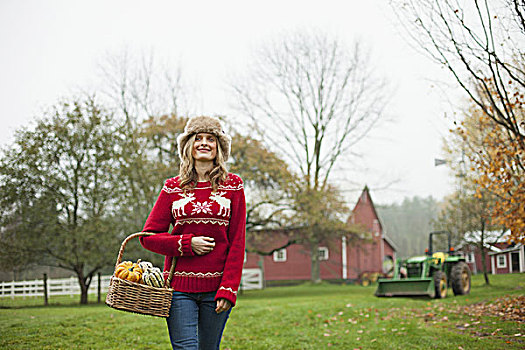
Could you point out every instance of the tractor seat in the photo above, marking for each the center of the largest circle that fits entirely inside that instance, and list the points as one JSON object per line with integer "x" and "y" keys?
{"x": 440, "y": 257}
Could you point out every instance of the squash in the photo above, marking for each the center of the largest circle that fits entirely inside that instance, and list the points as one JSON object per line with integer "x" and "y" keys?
{"x": 128, "y": 270}
{"x": 122, "y": 266}
{"x": 153, "y": 277}
{"x": 144, "y": 265}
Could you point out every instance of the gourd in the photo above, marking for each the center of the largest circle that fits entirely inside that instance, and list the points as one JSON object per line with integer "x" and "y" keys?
{"x": 153, "y": 277}
{"x": 128, "y": 270}
{"x": 144, "y": 265}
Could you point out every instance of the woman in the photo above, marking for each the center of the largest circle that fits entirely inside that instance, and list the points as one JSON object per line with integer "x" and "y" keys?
{"x": 206, "y": 206}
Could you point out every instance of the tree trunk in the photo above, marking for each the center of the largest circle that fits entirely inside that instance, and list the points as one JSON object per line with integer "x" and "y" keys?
{"x": 314, "y": 255}
{"x": 84, "y": 294}
{"x": 84, "y": 285}
{"x": 483, "y": 262}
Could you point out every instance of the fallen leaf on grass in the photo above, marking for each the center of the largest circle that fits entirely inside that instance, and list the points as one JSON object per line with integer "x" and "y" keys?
{"x": 509, "y": 308}
{"x": 496, "y": 331}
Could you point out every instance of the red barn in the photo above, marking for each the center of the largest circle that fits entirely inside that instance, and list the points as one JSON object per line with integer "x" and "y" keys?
{"x": 472, "y": 255}
{"x": 340, "y": 259}
{"x": 507, "y": 258}
{"x": 500, "y": 256}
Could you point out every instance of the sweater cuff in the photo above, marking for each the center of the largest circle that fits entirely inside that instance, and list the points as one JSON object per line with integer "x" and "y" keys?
{"x": 228, "y": 294}
{"x": 185, "y": 245}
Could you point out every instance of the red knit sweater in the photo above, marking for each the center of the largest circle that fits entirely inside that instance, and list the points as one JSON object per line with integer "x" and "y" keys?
{"x": 199, "y": 212}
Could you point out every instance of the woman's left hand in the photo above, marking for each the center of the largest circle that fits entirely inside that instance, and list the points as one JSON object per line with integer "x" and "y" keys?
{"x": 222, "y": 305}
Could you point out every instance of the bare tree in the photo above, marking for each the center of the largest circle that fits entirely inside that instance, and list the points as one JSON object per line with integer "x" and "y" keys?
{"x": 482, "y": 44}
{"x": 140, "y": 86}
{"x": 150, "y": 96}
{"x": 312, "y": 98}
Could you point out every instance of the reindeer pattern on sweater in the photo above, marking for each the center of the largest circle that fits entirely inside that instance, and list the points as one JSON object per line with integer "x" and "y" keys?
{"x": 217, "y": 204}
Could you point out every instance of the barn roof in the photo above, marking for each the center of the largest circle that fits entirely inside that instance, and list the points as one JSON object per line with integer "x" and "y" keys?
{"x": 506, "y": 250}
{"x": 366, "y": 197}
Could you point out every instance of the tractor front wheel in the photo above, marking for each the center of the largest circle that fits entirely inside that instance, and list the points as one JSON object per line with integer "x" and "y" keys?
{"x": 440, "y": 284}
{"x": 460, "y": 278}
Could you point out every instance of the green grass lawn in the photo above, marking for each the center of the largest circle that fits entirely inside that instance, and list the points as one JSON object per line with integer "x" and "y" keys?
{"x": 300, "y": 317}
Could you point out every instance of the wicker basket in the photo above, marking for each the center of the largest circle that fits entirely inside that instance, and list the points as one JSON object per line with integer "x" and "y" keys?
{"x": 139, "y": 298}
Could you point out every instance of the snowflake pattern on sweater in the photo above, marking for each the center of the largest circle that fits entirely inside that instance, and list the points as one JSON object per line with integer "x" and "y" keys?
{"x": 201, "y": 207}
{"x": 201, "y": 212}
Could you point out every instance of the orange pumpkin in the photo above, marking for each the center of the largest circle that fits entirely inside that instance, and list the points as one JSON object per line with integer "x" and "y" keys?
{"x": 128, "y": 270}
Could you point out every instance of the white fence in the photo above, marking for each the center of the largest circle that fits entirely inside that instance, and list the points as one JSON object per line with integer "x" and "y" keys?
{"x": 251, "y": 279}
{"x": 59, "y": 286}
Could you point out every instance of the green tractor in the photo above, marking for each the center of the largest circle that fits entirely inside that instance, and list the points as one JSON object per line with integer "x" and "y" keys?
{"x": 431, "y": 274}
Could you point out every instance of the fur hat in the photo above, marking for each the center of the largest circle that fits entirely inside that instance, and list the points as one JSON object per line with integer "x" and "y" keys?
{"x": 209, "y": 125}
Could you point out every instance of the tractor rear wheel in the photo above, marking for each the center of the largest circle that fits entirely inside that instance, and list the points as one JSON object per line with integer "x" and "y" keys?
{"x": 460, "y": 278}
{"x": 440, "y": 284}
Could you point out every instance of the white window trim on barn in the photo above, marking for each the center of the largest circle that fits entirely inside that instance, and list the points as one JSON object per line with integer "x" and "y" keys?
{"x": 279, "y": 255}
{"x": 323, "y": 253}
{"x": 470, "y": 257}
{"x": 501, "y": 261}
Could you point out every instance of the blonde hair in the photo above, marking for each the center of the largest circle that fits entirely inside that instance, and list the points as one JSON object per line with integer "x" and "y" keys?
{"x": 188, "y": 174}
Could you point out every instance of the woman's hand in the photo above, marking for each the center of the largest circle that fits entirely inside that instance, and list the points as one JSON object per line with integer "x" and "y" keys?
{"x": 222, "y": 305}
{"x": 202, "y": 245}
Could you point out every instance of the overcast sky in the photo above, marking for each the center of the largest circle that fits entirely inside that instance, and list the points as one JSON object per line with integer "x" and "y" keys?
{"x": 51, "y": 48}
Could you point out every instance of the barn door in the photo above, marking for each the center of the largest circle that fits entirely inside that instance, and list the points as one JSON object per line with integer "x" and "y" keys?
{"x": 515, "y": 261}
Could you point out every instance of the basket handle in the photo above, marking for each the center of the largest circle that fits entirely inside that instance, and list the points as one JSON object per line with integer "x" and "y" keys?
{"x": 139, "y": 234}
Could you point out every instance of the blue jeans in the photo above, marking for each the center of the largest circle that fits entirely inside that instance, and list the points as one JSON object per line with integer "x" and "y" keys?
{"x": 193, "y": 323}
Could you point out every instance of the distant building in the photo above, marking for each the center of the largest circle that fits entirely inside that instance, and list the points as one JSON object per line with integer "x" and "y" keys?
{"x": 500, "y": 256}
{"x": 344, "y": 258}
{"x": 507, "y": 258}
